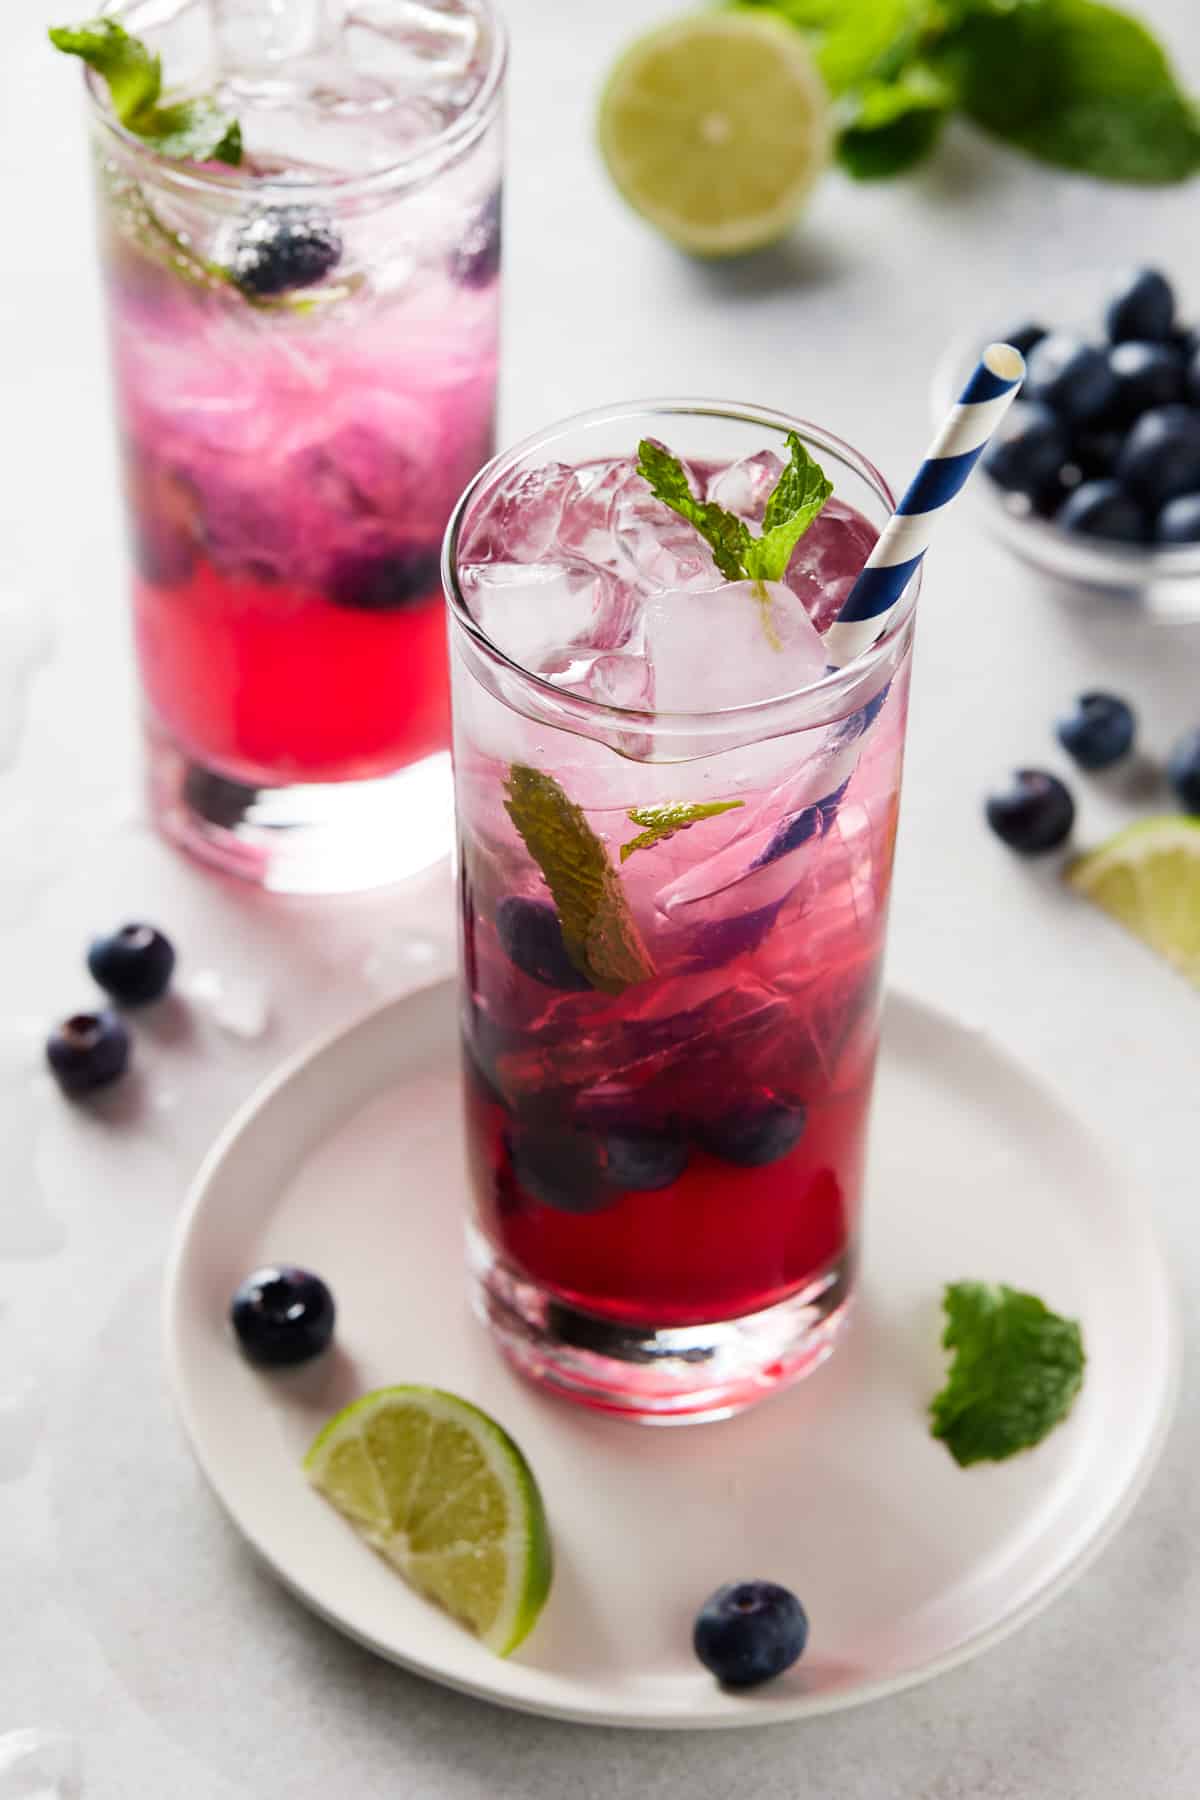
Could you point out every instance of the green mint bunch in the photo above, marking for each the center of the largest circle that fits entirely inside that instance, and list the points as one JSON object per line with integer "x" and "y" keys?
{"x": 801, "y": 492}
{"x": 1016, "y": 1370}
{"x": 1074, "y": 83}
{"x": 185, "y": 130}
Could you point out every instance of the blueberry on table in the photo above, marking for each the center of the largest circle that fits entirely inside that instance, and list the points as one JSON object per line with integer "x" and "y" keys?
{"x": 282, "y": 1316}
{"x": 1183, "y": 772}
{"x": 1142, "y": 305}
{"x": 749, "y": 1632}
{"x": 757, "y": 1134}
{"x": 1147, "y": 375}
{"x": 88, "y": 1051}
{"x": 384, "y": 581}
{"x": 1161, "y": 457}
{"x": 282, "y": 248}
{"x": 564, "y": 1169}
{"x": 643, "y": 1162}
{"x": 134, "y": 964}
{"x": 1034, "y": 814}
{"x": 1024, "y": 337}
{"x": 531, "y": 937}
{"x": 1102, "y": 509}
{"x": 1071, "y": 377}
{"x": 1179, "y": 521}
{"x": 1029, "y": 447}
{"x": 1099, "y": 732}
{"x": 476, "y": 261}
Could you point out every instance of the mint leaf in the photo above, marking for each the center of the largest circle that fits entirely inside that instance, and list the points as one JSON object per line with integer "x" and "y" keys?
{"x": 723, "y": 531}
{"x": 1016, "y": 1371}
{"x": 193, "y": 131}
{"x": 186, "y": 130}
{"x": 599, "y": 931}
{"x": 663, "y": 822}
{"x": 799, "y": 495}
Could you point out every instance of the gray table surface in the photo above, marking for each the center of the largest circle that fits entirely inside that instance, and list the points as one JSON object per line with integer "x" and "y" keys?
{"x": 131, "y": 1616}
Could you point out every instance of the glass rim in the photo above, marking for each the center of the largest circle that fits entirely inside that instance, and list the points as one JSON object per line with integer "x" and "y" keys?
{"x": 827, "y": 689}
{"x": 407, "y": 171}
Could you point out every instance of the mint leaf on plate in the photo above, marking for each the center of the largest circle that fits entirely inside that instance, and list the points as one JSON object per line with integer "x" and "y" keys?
{"x": 663, "y": 822}
{"x": 186, "y": 130}
{"x": 799, "y": 495}
{"x": 1016, "y": 1371}
{"x": 723, "y": 531}
{"x": 599, "y": 931}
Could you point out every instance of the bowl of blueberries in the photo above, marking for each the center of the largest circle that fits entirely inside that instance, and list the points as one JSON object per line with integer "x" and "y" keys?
{"x": 1094, "y": 474}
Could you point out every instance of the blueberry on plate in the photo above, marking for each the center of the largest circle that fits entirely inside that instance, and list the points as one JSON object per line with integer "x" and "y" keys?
{"x": 754, "y": 1135}
{"x": 134, "y": 964}
{"x": 476, "y": 261}
{"x": 1024, "y": 337}
{"x": 1071, "y": 377}
{"x": 1161, "y": 456}
{"x": 282, "y": 1315}
{"x": 1028, "y": 449}
{"x": 1099, "y": 732}
{"x": 643, "y": 1162}
{"x": 1179, "y": 521}
{"x": 1034, "y": 814}
{"x": 1147, "y": 375}
{"x": 384, "y": 581}
{"x": 1102, "y": 509}
{"x": 564, "y": 1169}
{"x": 282, "y": 248}
{"x": 1142, "y": 305}
{"x": 1183, "y": 772}
{"x": 531, "y": 937}
{"x": 88, "y": 1051}
{"x": 749, "y": 1632}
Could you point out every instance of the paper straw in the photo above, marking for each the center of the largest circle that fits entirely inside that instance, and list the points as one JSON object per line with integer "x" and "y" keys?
{"x": 905, "y": 538}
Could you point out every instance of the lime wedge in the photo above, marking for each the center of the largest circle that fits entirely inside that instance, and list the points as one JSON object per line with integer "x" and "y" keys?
{"x": 1148, "y": 877}
{"x": 443, "y": 1493}
{"x": 715, "y": 128}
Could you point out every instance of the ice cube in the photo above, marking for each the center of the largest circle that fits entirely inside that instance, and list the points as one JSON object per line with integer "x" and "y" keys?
{"x": 745, "y": 487}
{"x": 614, "y": 678}
{"x": 828, "y": 560}
{"x": 39, "y": 1765}
{"x": 730, "y": 646}
{"x": 521, "y": 519}
{"x": 662, "y": 550}
{"x": 547, "y": 615}
{"x": 586, "y": 528}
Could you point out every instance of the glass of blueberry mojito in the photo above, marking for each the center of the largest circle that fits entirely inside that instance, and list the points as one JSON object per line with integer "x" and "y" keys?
{"x": 303, "y": 322}
{"x": 676, "y": 825}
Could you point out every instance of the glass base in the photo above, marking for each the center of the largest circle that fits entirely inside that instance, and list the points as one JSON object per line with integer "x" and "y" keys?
{"x": 337, "y": 837}
{"x": 680, "y": 1375}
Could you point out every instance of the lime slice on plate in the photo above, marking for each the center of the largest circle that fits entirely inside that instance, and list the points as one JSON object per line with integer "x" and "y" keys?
{"x": 443, "y": 1493}
{"x": 1148, "y": 877}
{"x": 715, "y": 128}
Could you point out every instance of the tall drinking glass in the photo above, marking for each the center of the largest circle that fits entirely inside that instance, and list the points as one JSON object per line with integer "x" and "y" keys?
{"x": 669, "y": 1017}
{"x": 304, "y": 351}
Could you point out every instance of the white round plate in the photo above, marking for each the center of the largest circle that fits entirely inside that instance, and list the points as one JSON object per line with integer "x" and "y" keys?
{"x": 350, "y": 1162}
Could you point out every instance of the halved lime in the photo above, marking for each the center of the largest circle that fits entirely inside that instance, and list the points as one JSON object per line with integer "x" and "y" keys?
{"x": 715, "y": 128}
{"x": 1148, "y": 877}
{"x": 441, "y": 1491}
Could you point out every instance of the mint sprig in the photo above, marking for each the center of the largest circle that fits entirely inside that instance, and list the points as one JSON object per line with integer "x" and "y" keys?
{"x": 799, "y": 495}
{"x": 1016, "y": 1371}
{"x": 662, "y": 822}
{"x": 186, "y": 130}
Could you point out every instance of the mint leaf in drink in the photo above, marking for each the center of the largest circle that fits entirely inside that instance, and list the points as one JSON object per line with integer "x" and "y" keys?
{"x": 186, "y": 130}
{"x": 663, "y": 822}
{"x": 799, "y": 495}
{"x": 599, "y": 931}
{"x": 723, "y": 531}
{"x": 1016, "y": 1371}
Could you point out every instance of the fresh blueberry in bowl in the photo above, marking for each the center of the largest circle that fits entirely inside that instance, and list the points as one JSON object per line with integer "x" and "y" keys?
{"x": 1071, "y": 377}
{"x": 756, "y": 1134}
{"x": 531, "y": 937}
{"x": 1141, "y": 305}
{"x": 386, "y": 580}
{"x": 1034, "y": 814}
{"x": 88, "y": 1051}
{"x": 1094, "y": 450}
{"x": 134, "y": 964}
{"x": 1028, "y": 449}
{"x": 281, "y": 248}
{"x": 1103, "y": 509}
{"x": 282, "y": 1316}
{"x": 1192, "y": 378}
{"x": 1147, "y": 375}
{"x": 748, "y": 1632}
{"x": 1160, "y": 459}
{"x": 1179, "y": 521}
{"x": 1099, "y": 732}
{"x": 1183, "y": 772}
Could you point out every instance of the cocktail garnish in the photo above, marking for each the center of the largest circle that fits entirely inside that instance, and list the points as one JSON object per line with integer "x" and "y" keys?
{"x": 1016, "y": 1371}
{"x": 195, "y": 130}
{"x": 662, "y": 822}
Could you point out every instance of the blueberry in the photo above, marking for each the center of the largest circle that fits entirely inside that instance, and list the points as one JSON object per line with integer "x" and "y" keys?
{"x": 750, "y": 1631}
{"x": 1142, "y": 306}
{"x": 476, "y": 261}
{"x": 1070, "y": 377}
{"x": 564, "y": 1169}
{"x": 757, "y": 1134}
{"x": 88, "y": 1050}
{"x": 1100, "y": 731}
{"x": 531, "y": 937}
{"x": 1183, "y": 772}
{"x": 385, "y": 581}
{"x": 1035, "y": 814}
{"x": 1193, "y": 378}
{"x": 1161, "y": 457}
{"x": 644, "y": 1162}
{"x": 134, "y": 964}
{"x": 1179, "y": 521}
{"x": 1102, "y": 509}
{"x": 1186, "y": 340}
{"x": 284, "y": 247}
{"x": 1147, "y": 375}
{"x": 1094, "y": 451}
{"x": 282, "y": 1315}
{"x": 1024, "y": 337}
{"x": 1027, "y": 449}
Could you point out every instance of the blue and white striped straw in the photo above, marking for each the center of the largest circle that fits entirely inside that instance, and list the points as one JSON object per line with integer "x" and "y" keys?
{"x": 905, "y": 538}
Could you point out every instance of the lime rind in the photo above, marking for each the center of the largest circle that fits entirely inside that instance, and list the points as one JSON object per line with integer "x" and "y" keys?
{"x": 1147, "y": 877}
